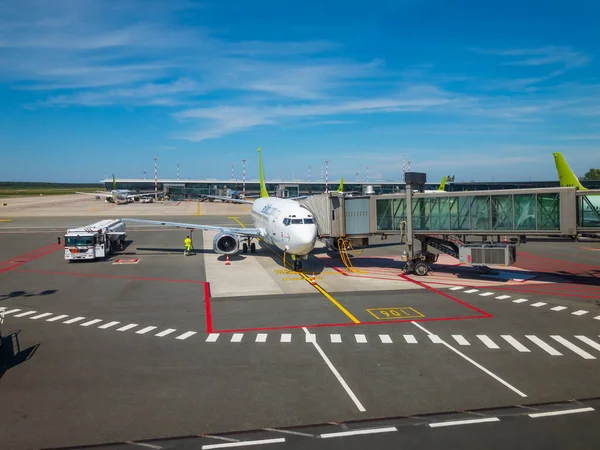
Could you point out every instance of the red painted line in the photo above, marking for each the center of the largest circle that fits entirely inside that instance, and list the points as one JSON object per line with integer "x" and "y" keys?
{"x": 124, "y": 277}
{"x": 178, "y": 204}
{"x": 445, "y": 295}
{"x": 209, "y": 327}
{"x": 31, "y": 254}
{"x": 32, "y": 257}
{"x": 350, "y": 324}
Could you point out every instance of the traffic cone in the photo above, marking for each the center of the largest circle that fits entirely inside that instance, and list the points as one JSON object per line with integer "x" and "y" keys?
{"x": 314, "y": 281}
{"x": 227, "y": 263}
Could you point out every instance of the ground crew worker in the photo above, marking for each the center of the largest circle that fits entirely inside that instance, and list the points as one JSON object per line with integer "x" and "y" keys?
{"x": 188, "y": 245}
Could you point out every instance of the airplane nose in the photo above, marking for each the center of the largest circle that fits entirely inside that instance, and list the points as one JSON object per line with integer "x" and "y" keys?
{"x": 304, "y": 241}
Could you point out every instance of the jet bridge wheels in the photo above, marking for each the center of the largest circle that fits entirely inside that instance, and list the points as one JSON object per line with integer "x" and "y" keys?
{"x": 421, "y": 268}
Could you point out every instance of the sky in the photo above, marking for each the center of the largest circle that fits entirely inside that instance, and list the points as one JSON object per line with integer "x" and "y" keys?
{"x": 480, "y": 90}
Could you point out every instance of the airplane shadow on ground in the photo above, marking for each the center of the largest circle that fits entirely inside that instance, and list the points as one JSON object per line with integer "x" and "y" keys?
{"x": 18, "y": 294}
{"x": 11, "y": 354}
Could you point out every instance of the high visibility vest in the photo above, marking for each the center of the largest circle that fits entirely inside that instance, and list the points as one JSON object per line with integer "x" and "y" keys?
{"x": 187, "y": 242}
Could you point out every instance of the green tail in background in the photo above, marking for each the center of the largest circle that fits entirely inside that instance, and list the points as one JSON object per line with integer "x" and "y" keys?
{"x": 566, "y": 177}
{"x": 114, "y": 183}
{"x": 341, "y": 188}
{"x": 261, "y": 174}
{"x": 442, "y": 185}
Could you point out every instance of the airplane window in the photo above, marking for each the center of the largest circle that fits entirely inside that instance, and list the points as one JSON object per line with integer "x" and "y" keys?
{"x": 286, "y": 221}
{"x": 296, "y": 221}
{"x": 309, "y": 221}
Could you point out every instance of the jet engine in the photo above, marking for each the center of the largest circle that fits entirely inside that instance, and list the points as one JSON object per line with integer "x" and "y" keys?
{"x": 332, "y": 244}
{"x": 226, "y": 244}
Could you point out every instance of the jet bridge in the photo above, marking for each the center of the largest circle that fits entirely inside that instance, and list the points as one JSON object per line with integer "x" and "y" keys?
{"x": 444, "y": 220}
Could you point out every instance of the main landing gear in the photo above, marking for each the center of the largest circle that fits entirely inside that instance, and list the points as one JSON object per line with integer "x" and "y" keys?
{"x": 249, "y": 244}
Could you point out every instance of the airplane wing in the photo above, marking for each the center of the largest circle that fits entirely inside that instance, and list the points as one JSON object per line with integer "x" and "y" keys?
{"x": 95, "y": 193}
{"x": 249, "y": 232}
{"x": 229, "y": 199}
{"x": 140, "y": 195}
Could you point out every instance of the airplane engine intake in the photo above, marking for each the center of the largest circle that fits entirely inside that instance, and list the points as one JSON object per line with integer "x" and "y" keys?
{"x": 226, "y": 244}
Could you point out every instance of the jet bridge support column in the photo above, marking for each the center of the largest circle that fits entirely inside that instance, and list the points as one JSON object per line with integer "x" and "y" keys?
{"x": 415, "y": 262}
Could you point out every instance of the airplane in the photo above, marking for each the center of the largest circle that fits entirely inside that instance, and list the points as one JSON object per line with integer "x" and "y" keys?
{"x": 566, "y": 178}
{"x": 120, "y": 196}
{"x": 441, "y": 188}
{"x": 283, "y": 223}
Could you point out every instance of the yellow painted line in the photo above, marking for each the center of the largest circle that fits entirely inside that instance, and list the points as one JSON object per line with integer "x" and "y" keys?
{"x": 398, "y": 312}
{"x": 198, "y": 211}
{"x": 5, "y": 220}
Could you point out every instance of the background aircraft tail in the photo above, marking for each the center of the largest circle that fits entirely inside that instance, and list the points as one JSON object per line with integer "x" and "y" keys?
{"x": 566, "y": 177}
{"x": 114, "y": 183}
{"x": 261, "y": 174}
{"x": 341, "y": 188}
{"x": 442, "y": 185}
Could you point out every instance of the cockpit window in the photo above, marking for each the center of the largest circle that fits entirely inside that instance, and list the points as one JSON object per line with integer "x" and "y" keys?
{"x": 309, "y": 221}
{"x": 296, "y": 221}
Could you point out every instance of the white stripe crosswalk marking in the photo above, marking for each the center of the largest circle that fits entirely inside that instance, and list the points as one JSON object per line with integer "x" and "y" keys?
{"x": 573, "y": 347}
{"x": 237, "y": 337}
{"x": 145, "y": 330}
{"x": 538, "y": 304}
{"x": 581, "y": 312}
{"x": 487, "y": 341}
{"x": 486, "y": 294}
{"x": 108, "y": 325}
{"x": 212, "y": 337}
{"x": 589, "y": 342}
{"x": 27, "y": 313}
{"x": 127, "y": 327}
{"x": 286, "y": 337}
{"x": 335, "y": 338}
{"x": 55, "y": 318}
{"x": 74, "y": 319}
{"x": 10, "y": 311}
{"x": 261, "y": 337}
{"x": 470, "y": 291}
{"x": 410, "y": 339}
{"x": 558, "y": 308}
{"x": 39, "y": 316}
{"x": 460, "y": 339}
{"x": 360, "y": 338}
{"x": 165, "y": 332}
{"x": 385, "y": 339}
{"x": 520, "y": 300}
{"x": 516, "y": 344}
{"x": 186, "y": 335}
{"x": 310, "y": 337}
{"x": 597, "y": 317}
{"x": 90, "y": 322}
{"x": 456, "y": 288}
{"x": 502, "y": 297}
{"x": 435, "y": 338}
{"x": 549, "y": 349}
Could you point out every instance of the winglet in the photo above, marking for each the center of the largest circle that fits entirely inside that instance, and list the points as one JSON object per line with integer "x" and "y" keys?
{"x": 114, "y": 183}
{"x": 261, "y": 174}
{"x": 442, "y": 185}
{"x": 566, "y": 177}
{"x": 341, "y": 188}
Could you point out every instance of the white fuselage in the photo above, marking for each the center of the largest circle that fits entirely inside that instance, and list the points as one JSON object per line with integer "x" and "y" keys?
{"x": 285, "y": 224}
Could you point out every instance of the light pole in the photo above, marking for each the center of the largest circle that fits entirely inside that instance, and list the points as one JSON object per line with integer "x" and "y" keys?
{"x": 155, "y": 179}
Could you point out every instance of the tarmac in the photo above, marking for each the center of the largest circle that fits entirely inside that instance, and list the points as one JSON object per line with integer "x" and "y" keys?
{"x": 152, "y": 347}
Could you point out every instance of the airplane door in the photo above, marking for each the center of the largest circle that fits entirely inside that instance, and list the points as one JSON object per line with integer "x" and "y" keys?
{"x": 274, "y": 230}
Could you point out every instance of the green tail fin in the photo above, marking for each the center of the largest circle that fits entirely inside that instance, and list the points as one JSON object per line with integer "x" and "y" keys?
{"x": 261, "y": 174}
{"x": 566, "y": 177}
{"x": 114, "y": 183}
{"x": 442, "y": 185}
{"x": 341, "y": 188}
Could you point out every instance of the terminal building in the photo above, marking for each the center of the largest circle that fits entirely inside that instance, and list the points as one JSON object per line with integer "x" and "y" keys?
{"x": 192, "y": 189}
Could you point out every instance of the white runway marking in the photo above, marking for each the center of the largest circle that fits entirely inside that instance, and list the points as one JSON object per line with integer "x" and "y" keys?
{"x": 145, "y": 330}
{"x": 261, "y": 337}
{"x": 589, "y": 342}
{"x": 187, "y": 335}
{"x": 10, "y": 311}
{"x": 410, "y": 339}
{"x": 516, "y": 344}
{"x": 28, "y": 313}
{"x": 337, "y": 375}
{"x": 54, "y": 319}
{"x": 460, "y": 339}
{"x": 75, "y": 319}
{"x": 237, "y": 337}
{"x": 385, "y": 339}
{"x": 335, "y": 338}
{"x": 558, "y": 308}
{"x": 90, "y": 322}
{"x": 435, "y": 338}
{"x": 538, "y": 304}
{"x": 243, "y": 443}
{"x": 573, "y": 347}
{"x": 212, "y": 337}
{"x": 360, "y": 338}
{"x": 559, "y": 413}
{"x": 486, "y": 294}
{"x": 537, "y": 341}
{"x": 108, "y": 325}
{"x": 463, "y": 422}
{"x": 127, "y": 327}
{"x": 597, "y": 317}
{"x": 470, "y": 291}
{"x": 39, "y": 316}
{"x": 502, "y": 297}
{"x": 166, "y": 332}
{"x": 286, "y": 337}
{"x": 358, "y": 432}
{"x": 456, "y": 288}
{"x": 311, "y": 338}
{"x": 487, "y": 341}
{"x": 479, "y": 366}
{"x": 581, "y": 312}
{"x": 520, "y": 300}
